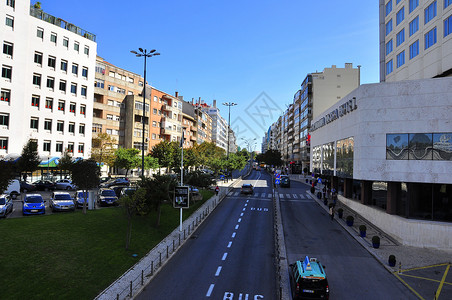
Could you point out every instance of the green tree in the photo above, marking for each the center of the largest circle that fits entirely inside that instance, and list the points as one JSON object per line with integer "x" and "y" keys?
{"x": 86, "y": 175}
{"x": 103, "y": 150}
{"x": 7, "y": 173}
{"x": 158, "y": 189}
{"x": 216, "y": 164}
{"x": 270, "y": 157}
{"x": 190, "y": 158}
{"x": 164, "y": 152}
{"x": 151, "y": 162}
{"x": 65, "y": 162}
{"x": 134, "y": 204}
{"x": 199, "y": 179}
{"x": 127, "y": 158}
{"x": 29, "y": 160}
{"x": 207, "y": 152}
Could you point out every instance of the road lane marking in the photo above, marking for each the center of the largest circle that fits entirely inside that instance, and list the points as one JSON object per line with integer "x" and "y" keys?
{"x": 442, "y": 282}
{"x": 209, "y": 292}
{"x": 233, "y": 235}
{"x": 281, "y": 195}
{"x": 246, "y": 204}
{"x": 218, "y": 271}
{"x": 288, "y": 196}
{"x": 295, "y": 196}
{"x": 224, "y": 256}
{"x": 236, "y": 226}
{"x": 269, "y": 195}
{"x": 241, "y": 214}
{"x": 247, "y": 200}
{"x": 239, "y": 220}
{"x": 230, "y": 244}
{"x": 244, "y": 209}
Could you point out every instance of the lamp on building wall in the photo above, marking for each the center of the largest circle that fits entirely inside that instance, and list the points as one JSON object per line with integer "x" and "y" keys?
{"x": 146, "y": 54}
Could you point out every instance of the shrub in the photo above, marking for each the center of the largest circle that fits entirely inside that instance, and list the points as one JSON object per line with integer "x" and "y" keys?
{"x": 375, "y": 239}
{"x": 340, "y": 210}
{"x": 362, "y": 228}
{"x": 350, "y": 218}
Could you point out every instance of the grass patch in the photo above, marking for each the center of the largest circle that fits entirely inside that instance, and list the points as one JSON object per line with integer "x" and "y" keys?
{"x": 76, "y": 256}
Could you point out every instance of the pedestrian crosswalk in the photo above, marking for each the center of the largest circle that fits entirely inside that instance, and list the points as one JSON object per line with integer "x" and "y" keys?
{"x": 282, "y": 196}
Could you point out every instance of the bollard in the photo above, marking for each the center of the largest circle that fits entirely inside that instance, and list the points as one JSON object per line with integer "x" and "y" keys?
{"x": 179, "y": 239}
{"x": 142, "y": 277}
{"x": 184, "y": 235}
{"x": 400, "y": 267}
{"x": 130, "y": 295}
{"x": 160, "y": 259}
{"x": 117, "y": 296}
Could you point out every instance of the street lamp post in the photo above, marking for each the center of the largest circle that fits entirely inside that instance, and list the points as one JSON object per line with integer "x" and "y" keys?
{"x": 146, "y": 54}
{"x": 229, "y": 104}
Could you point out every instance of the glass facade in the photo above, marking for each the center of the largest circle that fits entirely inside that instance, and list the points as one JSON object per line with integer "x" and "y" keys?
{"x": 419, "y": 146}
{"x": 344, "y": 157}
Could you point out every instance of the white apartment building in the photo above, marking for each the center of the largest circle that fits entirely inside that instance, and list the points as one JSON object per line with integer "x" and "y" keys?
{"x": 415, "y": 39}
{"x": 219, "y": 126}
{"x": 47, "y": 82}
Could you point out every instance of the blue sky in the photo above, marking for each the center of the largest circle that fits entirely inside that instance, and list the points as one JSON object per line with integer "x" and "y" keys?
{"x": 253, "y": 53}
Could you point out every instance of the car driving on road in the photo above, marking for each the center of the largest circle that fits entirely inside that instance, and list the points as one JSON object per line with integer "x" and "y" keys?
{"x": 308, "y": 280}
{"x": 285, "y": 181}
{"x": 247, "y": 189}
{"x": 6, "y": 205}
{"x": 33, "y": 204}
{"x": 61, "y": 201}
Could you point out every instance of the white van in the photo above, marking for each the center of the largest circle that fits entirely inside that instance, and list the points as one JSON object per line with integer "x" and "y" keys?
{"x": 13, "y": 189}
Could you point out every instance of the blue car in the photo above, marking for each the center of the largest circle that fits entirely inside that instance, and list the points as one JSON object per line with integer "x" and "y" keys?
{"x": 33, "y": 204}
{"x": 80, "y": 199}
{"x": 6, "y": 205}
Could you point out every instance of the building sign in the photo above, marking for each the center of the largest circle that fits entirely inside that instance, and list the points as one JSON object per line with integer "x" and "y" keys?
{"x": 335, "y": 114}
{"x": 181, "y": 197}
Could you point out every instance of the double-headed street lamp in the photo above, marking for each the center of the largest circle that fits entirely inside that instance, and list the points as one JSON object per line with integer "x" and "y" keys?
{"x": 146, "y": 54}
{"x": 229, "y": 104}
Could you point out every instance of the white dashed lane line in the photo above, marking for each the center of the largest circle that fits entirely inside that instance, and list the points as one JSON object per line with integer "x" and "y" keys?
{"x": 233, "y": 235}
{"x": 230, "y": 244}
{"x": 236, "y": 227}
{"x": 209, "y": 292}
{"x": 224, "y": 256}
{"x": 218, "y": 271}
{"x": 239, "y": 220}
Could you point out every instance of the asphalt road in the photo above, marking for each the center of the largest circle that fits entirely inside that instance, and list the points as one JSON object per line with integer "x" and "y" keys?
{"x": 231, "y": 255}
{"x": 351, "y": 271}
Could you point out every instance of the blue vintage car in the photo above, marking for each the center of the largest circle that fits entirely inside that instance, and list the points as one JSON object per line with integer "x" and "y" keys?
{"x": 33, "y": 204}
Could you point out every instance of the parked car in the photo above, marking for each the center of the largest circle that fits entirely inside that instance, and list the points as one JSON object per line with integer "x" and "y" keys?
{"x": 65, "y": 184}
{"x": 80, "y": 198}
{"x": 44, "y": 185}
{"x": 107, "y": 197}
{"x": 33, "y": 204}
{"x": 13, "y": 189}
{"x": 6, "y": 205}
{"x": 127, "y": 191}
{"x": 193, "y": 190}
{"x": 247, "y": 189}
{"x": 104, "y": 179}
{"x": 117, "y": 181}
{"x": 61, "y": 201}
{"x": 26, "y": 187}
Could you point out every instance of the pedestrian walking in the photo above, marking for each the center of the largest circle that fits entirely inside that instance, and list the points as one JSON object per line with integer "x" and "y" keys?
{"x": 332, "y": 212}
{"x": 217, "y": 190}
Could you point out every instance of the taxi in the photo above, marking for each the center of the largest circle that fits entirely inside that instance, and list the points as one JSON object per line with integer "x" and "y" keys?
{"x": 308, "y": 280}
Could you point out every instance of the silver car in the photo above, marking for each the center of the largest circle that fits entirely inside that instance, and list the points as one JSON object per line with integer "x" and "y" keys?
{"x": 61, "y": 201}
{"x": 6, "y": 205}
{"x": 65, "y": 184}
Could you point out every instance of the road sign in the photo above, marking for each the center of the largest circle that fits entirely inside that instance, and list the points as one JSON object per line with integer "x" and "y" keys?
{"x": 181, "y": 197}
{"x": 278, "y": 175}
{"x": 277, "y": 181}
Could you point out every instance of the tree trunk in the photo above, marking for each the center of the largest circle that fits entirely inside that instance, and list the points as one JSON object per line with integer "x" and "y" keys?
{"x": 129, "y": 231}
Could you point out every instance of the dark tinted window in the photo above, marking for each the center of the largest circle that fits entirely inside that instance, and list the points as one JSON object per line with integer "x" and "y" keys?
{"x": 108, "y": 193}
{"x": 34, "y": 199}
{"x": 62, "y": 197}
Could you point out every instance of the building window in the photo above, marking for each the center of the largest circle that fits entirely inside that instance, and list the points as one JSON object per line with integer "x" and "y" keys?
{"x": 430, "y": 12}
{"x": 154, "y": 136}
{"x": 389, "y": 47}
{"x": 8, "y": 49}
{"x": 99, "y": 83}
{"x": 38, "y": 58}
{"x": 71, "y": 128}
{"x": 76, "y": 46}
{"x": 81, "y": 148}
{"x": 414, "y": 25}
{"x": 400, "y": 16}
{"x": 447, "y": 3}
{"x": 430, "y": 38}
{"x": 414, "y": 49}
{"x": 46, "y": 146}
{"x": 97, "y": 128}
{"x": 51, "y": 62}
{"x": 34, "y": 123}
{"x": 35, "y": 100}
{"x": 10, "y": 21}
{"x": 109, "y": 117}
{"x": 82, "y": 109}
{"x": 59, "y": 147}
{"x": 4, "y": 120}
{"x": 389, "y": 67}
{"x": 413, "y": 4}
{"x": 64, "y": 65}
{"x": 400, "y": 37}
{"x": 66, "y": 42}
{"x": 40, "y": 33}
{"x": 4, "y": 143}
{"x": 401, "y": 59}
{"x": 7, "y": 72}
{"x": 83, "y": 91}
{"x": 448, "y": 26}
{"x": 50, "y": 82}
{"x": 48, "y": 124}
{"x": 5, "y": 95}
{"x": 60, "y": 126}
{"x": 10, "y": 3}
{"x": 74, "y": 88}
{"x": 49, "y": 103}
{"x": 388, "y": 7}
{"x": 75, "y": 69}
{"x": 86, "y": 50}
{"x": 72, "y": 107}
{"x": 53, "y": 38}
{"x": 389, "y": 27}
{"x": 61, "y": 105}
{"x": 70, "y": 147}
{"x": 154, "y": 111}
{"x": 37, "y": 79}
{"x": 85, "y": 72}
{"x": 81, "y": 129}
{"x": 63, "y": 85}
